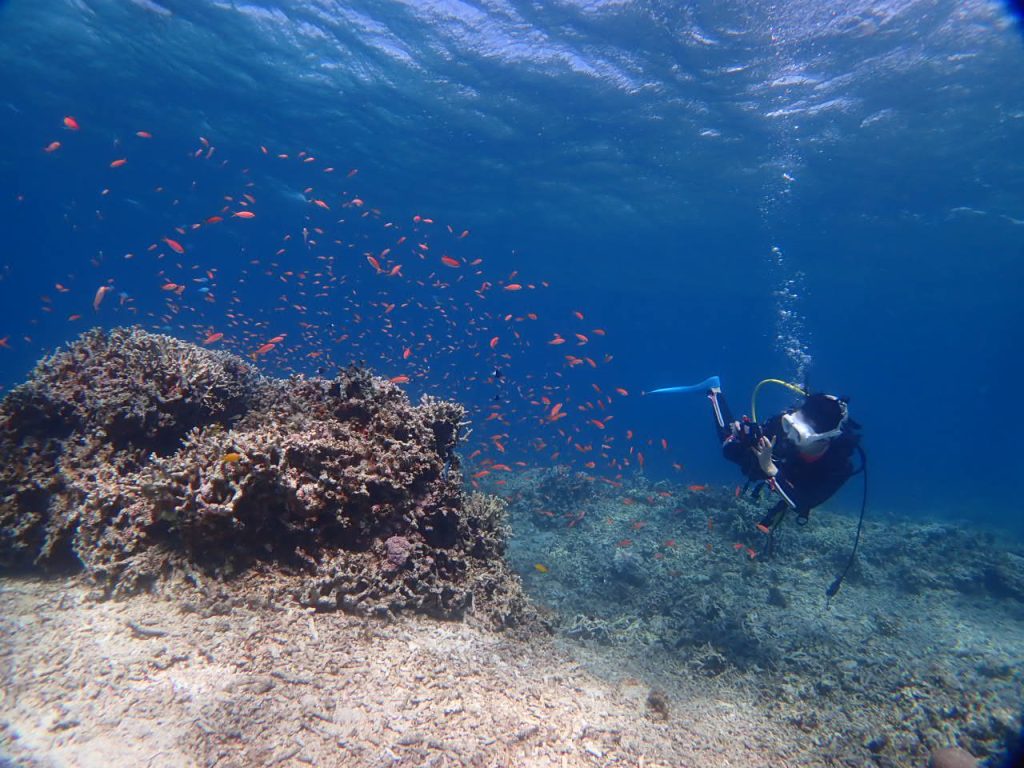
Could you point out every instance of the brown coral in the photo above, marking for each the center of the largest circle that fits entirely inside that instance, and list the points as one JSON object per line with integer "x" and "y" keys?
{"x": 136, "y": 455}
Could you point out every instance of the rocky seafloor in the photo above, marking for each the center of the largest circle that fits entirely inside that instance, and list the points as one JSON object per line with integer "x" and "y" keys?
{"x": 135, "y": 463}
{"x": 919, "y": 651}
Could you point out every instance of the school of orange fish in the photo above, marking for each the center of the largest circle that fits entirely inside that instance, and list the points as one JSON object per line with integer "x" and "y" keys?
{"x": 412, "y": 299}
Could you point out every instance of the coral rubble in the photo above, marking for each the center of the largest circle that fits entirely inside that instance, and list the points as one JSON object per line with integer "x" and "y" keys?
{"x": 137, "y": 456}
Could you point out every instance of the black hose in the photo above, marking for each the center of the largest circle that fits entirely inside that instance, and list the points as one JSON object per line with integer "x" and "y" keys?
{"x": 834, "y": 587}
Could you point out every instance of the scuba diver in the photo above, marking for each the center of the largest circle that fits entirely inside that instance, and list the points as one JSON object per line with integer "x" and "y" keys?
{"x": 803, "y": 454}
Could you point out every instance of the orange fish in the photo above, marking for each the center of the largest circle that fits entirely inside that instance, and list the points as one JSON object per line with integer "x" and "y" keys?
{"x": 399, "y": 379}
{"x": 322, "y": 204}
{"x": 481, "y": 473}
{"x": 70, "y": 123}
{"x": 494, "y": 342}
{"x": 53, "y": 146}
{"x": 264, "y": 349}
{"x": 169, "y": 287}
{"x": 213, "y": 337}
{"x": 144, "y": 134}
{"x": 244, "y": 215}
{"x": 118, "y": 163}
{"x": 174, "y": 245}
{"x": 276, "y": 339}
{"x": 622, "y": 391}
{"x": 214, "y": 220}
{"x": 513, "y": 287}
{"x": 450, "y": 262}
{"x": 98, "y": 298}
{"x": 406, "y": 353}
{"x": 696, "y": 488}
{"x": 374, "y": 263}
{"x": 624, "y": 543}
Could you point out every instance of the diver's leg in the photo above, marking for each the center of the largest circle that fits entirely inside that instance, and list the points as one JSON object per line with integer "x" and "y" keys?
{"x": 771, "y": 520}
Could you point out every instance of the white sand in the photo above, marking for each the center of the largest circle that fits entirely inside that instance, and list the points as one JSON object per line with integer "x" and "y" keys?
{"x": 145, "y": 682}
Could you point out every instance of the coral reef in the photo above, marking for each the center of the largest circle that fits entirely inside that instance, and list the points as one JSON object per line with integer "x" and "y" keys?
{"x": 683, "y": 576}
{"x": 138, "y": 456}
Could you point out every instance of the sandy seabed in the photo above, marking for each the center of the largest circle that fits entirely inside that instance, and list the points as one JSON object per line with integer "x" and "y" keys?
{"x": 162, "y": 681}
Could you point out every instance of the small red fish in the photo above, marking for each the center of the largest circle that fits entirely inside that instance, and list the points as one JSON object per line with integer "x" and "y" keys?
{"x": 174, "y": 245}
{"x": 244, "y": 215}
{"x": 624, "y": 543}
{"x": 263, "y": 350}
{"x": 513, "y": 287}
{"x": 70, "y": 123}
{"x": 450, "y": 262}
{"x": 696, "y": 488}
{"x": 399, "y": 379}
{"x": 53, "y": 146}
{"x": 118, "y": 163}
{"x": 494, "y": 342}
{"x": 213, "y": 337}
{"x": 144, "y": 134}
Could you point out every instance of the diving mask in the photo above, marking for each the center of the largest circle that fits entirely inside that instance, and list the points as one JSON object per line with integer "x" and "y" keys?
{"x": 803, "y": 434}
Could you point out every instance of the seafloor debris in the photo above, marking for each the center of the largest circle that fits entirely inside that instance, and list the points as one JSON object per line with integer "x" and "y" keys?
{"x": 138, "y": 456}
{"x": 680, "y": 578}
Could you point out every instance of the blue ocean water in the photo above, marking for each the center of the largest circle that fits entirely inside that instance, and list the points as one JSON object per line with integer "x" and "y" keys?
{"x": 828, "y": 191}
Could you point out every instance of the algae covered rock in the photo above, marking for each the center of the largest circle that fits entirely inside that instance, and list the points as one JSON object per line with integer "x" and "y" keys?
{"x": 136, "y": 456}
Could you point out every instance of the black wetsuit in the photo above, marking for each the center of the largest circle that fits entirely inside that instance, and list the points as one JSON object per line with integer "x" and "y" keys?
{"x": 807, "y": 483}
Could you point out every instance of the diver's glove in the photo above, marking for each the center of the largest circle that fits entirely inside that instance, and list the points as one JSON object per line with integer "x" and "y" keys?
{"x": 763, "y": 451}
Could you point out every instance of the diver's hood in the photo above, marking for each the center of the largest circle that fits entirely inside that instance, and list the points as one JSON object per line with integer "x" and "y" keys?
{"x": 802, "y": 434}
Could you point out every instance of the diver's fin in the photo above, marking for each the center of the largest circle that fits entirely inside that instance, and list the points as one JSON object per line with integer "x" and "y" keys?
{"x": 711, "y": 382}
